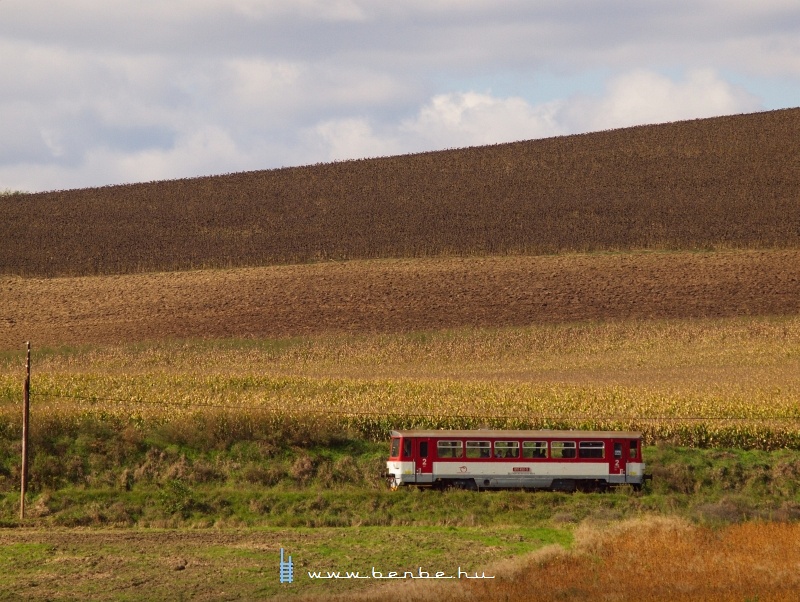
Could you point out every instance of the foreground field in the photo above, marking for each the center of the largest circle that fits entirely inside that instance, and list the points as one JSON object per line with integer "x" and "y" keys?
{"x": 236, "y": 563}
{"x": 397, "y": 296}
{"x": 660, "y": 560}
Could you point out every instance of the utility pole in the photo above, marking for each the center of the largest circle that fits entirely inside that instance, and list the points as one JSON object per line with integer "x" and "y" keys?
{"x": 26, "y": 395}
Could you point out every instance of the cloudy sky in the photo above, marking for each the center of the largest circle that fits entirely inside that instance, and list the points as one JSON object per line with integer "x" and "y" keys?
{"x": 94, "y": 92}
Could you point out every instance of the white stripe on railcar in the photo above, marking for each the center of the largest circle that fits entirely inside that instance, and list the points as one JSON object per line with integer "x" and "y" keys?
{"x": 557, "y": 469}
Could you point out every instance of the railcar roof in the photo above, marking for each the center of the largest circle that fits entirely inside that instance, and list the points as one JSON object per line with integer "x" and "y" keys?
{"x": 494, "y": 433}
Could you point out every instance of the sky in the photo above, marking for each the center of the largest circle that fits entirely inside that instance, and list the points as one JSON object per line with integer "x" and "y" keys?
{"x": 94, "y": 92}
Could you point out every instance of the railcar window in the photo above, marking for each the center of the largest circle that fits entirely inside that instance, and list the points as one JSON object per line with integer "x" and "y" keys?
{"x": 634, "y": 449}
{"x": 478, "y": 449}
{"x": 449, "y": 449}
{"x": 562, "y": 449}
{"x": 406, "y": 448}
{"x": 534, "y": 449}
{"x": 591, "y": 449}
{"x": 395, "y": 448}
{"x": 506, "y": 449}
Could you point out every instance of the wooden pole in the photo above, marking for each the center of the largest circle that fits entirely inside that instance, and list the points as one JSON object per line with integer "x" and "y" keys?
{"x": 26, "y": 394}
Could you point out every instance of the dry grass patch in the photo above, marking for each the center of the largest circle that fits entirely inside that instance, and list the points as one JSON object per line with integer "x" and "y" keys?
{"x": 646, "y": 560}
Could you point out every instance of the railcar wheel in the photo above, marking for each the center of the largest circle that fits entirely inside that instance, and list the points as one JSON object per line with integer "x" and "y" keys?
{"x": 566, "y": 485}
{"x": 592, "y": 486}
{"x": 464, "y": 484}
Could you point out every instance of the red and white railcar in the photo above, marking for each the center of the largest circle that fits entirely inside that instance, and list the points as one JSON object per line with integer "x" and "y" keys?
{"x": 499, "y": 459}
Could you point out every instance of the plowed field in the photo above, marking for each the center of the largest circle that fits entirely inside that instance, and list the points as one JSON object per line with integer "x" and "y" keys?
{"x": 397, "y": 295}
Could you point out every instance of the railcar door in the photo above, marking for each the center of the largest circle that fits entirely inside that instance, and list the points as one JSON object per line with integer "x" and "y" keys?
{"x": 619, "y": 458}
{"x": 424, "y": 457}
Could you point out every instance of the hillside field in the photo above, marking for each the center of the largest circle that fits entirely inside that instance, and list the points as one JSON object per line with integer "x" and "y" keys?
{"x": 721, "y": 183}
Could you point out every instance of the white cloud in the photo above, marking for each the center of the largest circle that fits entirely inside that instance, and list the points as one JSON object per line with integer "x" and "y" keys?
{"x": 201, "y": 152}
{"x": 474, "y": 119}
{"x": 470, "y": 119}
{"x": 644, "y": 96}
{"x": 198, "y": 153}
{"x": 341, "y": 139}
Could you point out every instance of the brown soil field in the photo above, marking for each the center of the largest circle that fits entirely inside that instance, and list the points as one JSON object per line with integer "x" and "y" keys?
{"x": 721, "y": 183}
{"x": 397, "y": 296}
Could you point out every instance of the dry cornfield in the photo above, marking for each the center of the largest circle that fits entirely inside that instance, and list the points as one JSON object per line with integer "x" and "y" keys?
{"x": 712, "y": 382}
{"x": 727, "y": 182}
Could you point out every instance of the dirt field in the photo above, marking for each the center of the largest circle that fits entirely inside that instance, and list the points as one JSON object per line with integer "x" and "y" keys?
{"x": 397, "y": 295}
